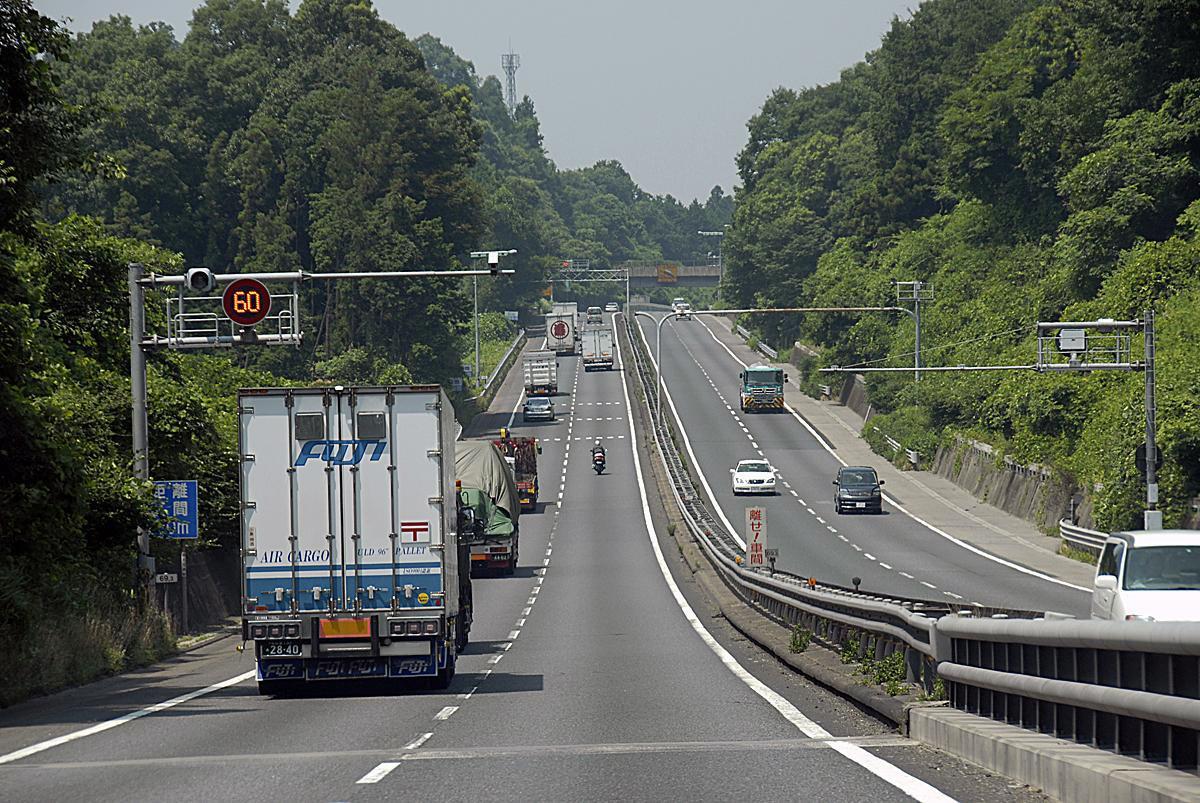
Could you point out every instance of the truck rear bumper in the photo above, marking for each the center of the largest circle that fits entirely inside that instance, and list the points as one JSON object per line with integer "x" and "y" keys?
{"x": 433, "y": 659}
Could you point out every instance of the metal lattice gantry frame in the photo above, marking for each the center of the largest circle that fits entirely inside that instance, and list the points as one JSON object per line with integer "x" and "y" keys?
{"x": 581, "y": 270}
{"x": 510, "y": 62}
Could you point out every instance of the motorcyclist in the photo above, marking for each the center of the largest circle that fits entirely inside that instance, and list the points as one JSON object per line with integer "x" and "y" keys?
{"x": 598, "y": 450}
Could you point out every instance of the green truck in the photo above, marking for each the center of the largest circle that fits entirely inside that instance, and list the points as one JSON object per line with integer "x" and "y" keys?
{"x": 488, "y": 506}
{"x": 762, "y": 388}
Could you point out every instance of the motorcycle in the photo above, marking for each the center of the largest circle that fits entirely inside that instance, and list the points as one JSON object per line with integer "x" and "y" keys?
{"x": 598, "y": 462}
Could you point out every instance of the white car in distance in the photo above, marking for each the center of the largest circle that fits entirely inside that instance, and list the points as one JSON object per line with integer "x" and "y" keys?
{"x": 753, "y": 477}
{"x": 1149, "y": 576}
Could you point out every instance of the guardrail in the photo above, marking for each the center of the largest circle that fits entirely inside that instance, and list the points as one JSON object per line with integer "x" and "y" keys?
{"x": 762, "y": 347}
{"x": 1081, "y": 538}
{"x": 914, "y": 457}
{"x": 502, "y": 367}
{"x": 1127, "y": 687}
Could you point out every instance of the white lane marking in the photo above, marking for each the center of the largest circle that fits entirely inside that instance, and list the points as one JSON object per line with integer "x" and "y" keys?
{"x": 952, "y": 594}
{"x": 857, "y": 548}
{"x": 531, "y": 600}
{"x": 100, "y": 727}
{"x": 883, "y": 565}
{"x": 527, "y": 610}
{"x": 801, "y": 501}
{"x": 545, "y": 561}
{"x": 517, "y": 406}
{"x": 906, "y": 574}
{"x": 537, "y": 589}
{"x": 379, "y": 773}
{"x": 521, "y": 622}
{"x": 512, "y": 634}
{"x": 495, "y": 659}
{"x": 827, "y": 527}
{"x": 868, "y": 556}
{"x": 928, "y": 585}
{"x": 844, "y": 538}
{"x": 467, "y": 695}
{"x": 753, "y": 443}
{"x": 810, "y": 510}
{"x": 793, "y": 493}
{"x": 445, "y": 713}
{"x": 937, "y": 530}
{"x": 821, "y": 520}
{"x": 720, "y": 511}
{"x": 423, "y": 738}
{"x": 913, "y": 787}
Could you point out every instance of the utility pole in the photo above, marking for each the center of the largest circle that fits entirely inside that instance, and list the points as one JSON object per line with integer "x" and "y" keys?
{"x": 916, "y": 292}
{"x": 137, "y": 386}
{"x": 720, "y": 235}
{"x": 493, "y": 261}
{"x": 1152, "y": 517}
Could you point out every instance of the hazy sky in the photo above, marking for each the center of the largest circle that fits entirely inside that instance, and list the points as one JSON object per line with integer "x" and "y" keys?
{"x": 663, "y": 86}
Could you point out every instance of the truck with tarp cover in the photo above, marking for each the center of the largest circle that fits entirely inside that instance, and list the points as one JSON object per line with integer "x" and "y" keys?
{"x": 521, "y": 453}
{"x": 488, "y": 505}
{"x": 762, "y": 388}
{"x": 352, "y": 564}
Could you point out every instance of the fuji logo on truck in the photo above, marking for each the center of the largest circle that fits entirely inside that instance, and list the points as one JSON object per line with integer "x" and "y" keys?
{"x": 559, "y": 329}
{"x": 340, "y": 453}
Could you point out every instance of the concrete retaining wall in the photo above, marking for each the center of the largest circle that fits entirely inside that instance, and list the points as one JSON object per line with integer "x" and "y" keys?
{"x": 1033, "y": 493}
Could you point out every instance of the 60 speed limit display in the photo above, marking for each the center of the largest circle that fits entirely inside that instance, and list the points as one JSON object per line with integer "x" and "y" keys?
{"x": 246, "y": 301}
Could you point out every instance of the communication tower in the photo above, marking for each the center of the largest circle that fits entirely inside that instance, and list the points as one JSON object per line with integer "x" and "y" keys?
{"x": 510, "y": 62}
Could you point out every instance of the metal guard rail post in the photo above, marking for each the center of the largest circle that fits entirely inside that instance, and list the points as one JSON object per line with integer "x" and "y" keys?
{"x": 1128, "y": 687}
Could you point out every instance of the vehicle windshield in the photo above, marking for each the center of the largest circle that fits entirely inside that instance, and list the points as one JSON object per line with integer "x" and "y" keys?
{"x": 753, "y": 466}
{"x": 1163, "y": 568}
{"x": 863, "y": 476}
{"x": 538, "y": 403}
{"x": 765, "y": 376}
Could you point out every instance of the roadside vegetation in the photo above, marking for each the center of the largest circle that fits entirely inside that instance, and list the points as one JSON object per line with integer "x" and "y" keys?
{"x": 261, "y": 139}
{"x": 1032, "y": 161}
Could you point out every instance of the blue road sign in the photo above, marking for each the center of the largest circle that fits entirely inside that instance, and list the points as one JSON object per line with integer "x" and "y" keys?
{"x": 180, "y": 500}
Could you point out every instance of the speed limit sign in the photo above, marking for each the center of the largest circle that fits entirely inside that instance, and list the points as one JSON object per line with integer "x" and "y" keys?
{"x": 246, "y": 301}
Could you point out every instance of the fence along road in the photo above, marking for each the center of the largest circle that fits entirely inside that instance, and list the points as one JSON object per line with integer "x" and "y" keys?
{"x": 891, "y": 553}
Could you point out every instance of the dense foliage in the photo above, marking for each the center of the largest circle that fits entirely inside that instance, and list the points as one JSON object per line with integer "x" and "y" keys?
{"x": 320, "y": 139}
{"x": 1033, "y": 161}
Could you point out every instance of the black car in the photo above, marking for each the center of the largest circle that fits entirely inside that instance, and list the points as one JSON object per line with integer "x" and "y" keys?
{"x": 858, "y": 489}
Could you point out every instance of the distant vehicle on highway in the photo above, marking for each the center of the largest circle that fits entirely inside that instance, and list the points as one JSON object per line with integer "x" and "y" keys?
{"x": 611, "y": 307}
{"x": 1149, "y": 576}
{"x": 675, "y": 302}
{"x": 858, "y": 488}
{"x": 762, "y": 388}
{"x": 683, "y": 312}
{"x": 753, "y": 477}
{"x": 539, "y": 408}
{"x": 595, "y": 315}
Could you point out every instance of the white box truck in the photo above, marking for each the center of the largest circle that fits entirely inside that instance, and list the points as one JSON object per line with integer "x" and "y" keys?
{"x": 541, "y": 373}
{"x": 351, "y": 562}
{"x": 560, "y": 332}
{"x": 597, "y": 349}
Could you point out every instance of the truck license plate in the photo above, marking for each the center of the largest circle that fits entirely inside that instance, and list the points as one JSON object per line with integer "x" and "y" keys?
{"x": 273, "y": 649}
{"x": 860, "y": 504}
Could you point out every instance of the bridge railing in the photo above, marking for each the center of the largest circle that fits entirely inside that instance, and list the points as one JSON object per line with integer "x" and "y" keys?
{"x": 1127, "y": 687}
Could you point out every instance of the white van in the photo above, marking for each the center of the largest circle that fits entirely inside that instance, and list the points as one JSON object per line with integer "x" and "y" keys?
{"x": 1151, "y": 576}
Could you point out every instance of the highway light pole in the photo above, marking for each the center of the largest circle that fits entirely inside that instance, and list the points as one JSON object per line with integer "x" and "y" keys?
{"x": 493, "y": 258}
{"x": 720, "y": 235}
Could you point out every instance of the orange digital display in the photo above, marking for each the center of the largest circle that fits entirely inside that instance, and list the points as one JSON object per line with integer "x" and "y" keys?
{"x": 246, "y": 301}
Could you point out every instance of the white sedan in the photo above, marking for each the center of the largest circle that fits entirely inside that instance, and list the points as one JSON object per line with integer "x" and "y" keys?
{"x": 753, "y": 477}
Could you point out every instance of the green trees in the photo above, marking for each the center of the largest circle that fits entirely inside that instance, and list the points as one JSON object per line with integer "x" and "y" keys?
{"x": 1034, "y": 161}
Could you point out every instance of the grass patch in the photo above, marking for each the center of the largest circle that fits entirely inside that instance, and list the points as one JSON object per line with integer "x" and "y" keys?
{"x": 1083, "y": 556}
{"x": 67, "y": 649}
{"x": 800, "y": 640}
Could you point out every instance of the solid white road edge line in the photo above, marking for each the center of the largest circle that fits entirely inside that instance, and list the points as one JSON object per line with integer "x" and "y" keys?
{"x": 688, "y": 445}
{"x": 932, "y": 528}
{"x": 913, "y": 787}
{"x": 513, "y": 415}
{"x": 16, "y": 755}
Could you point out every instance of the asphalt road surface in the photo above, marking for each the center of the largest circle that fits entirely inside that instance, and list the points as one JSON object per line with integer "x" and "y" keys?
{"x": 596, "y": 672}
{"x": 891, "y": 553}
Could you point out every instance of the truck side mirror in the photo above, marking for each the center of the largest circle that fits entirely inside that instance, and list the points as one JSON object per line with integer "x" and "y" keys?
{"x": 1106, "y": 582}
{"x": 785, "y": 377}
{"x": 883, "y": 482}
{"x": 835, "y": 482}
{"x": 539, "y": 447}
{"x": 741, "y": 375}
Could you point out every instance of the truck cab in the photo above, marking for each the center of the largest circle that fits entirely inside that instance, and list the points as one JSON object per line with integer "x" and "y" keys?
{"x": 762, "y": 388}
